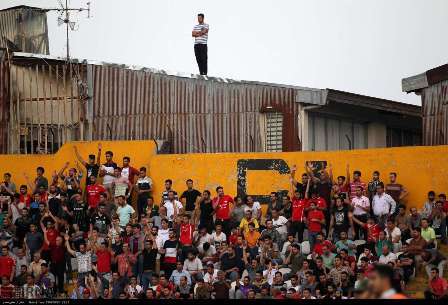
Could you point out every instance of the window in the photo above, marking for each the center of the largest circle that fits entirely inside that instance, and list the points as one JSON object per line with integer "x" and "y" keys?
{"x": 273, "y": 132}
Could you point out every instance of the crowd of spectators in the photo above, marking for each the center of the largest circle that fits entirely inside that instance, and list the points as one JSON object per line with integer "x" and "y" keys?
{"x": 100, "y": 230}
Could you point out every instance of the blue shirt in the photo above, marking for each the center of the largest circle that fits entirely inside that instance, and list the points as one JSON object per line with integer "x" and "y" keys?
{"x": 176, "y": 275}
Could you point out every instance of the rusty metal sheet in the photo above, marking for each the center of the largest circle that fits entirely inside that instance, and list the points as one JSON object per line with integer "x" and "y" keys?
{"x": 435, "y": 114}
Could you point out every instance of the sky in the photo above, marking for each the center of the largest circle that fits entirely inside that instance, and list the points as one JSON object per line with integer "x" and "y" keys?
{"x": 360, "y": 46}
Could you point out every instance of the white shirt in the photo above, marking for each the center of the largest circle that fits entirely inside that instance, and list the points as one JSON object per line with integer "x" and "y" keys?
{"x": 218, "y": 239}
{"x": 124, "y": 213}
{"x": 213, "y": 277}
{"x": 194, "y": 265}
{"x": 358, "y": 203}
{"x": 255, "y": 208}
{"x": 396, "y": 233}
{"x": 108, "y": 179}
{"x": 269, "y": 276}
{"x": 385, "y": 259}
{"x": 169, "y": 205}
{"x": 84, "y": 261}
{"x": 280, "y": 224}
{"x": 162, "y": 236}
{"x": 383, "y": 205}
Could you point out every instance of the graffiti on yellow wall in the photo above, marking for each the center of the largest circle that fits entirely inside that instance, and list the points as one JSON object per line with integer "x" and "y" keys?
{"x": 420, "y": 169}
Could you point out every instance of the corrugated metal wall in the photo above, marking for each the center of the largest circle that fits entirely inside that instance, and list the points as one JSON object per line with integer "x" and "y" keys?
{"x": 4, "y": 105}
{"x": 45, "y": 106}
{"x": 49, "y": 106}
{"x": 26, "y": 28}
{"x": 435, "y": 114}
{"x": 197, "y": 115}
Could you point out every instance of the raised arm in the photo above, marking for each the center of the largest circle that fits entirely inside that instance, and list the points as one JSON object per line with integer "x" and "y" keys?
{"x": 67, "y": 245}
{"x": 60, "y": 173}
{"x": 98, "y": 157}
{"x": 78, "y": 156}
{"x": 310, "y": 171}
{"x": 32, "y": 186}
{"x": 330, "y": 173}
{"x": 307, "y": 189}
{"x": 347, "y": 180}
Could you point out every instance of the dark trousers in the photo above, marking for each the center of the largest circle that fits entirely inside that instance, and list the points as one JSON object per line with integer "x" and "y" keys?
{"x": 297, "y": 227}
{"x": 58, "y": 270}
{"x": 359, "y": 229}
{"x": 200, "y": 51}
{"x": 168, "y": 268}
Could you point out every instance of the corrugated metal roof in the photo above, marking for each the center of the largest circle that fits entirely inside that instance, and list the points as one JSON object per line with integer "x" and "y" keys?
{"x": 307, "y": 95}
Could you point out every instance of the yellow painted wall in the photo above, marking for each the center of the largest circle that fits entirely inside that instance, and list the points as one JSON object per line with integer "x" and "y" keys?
{"x": 140, "y": 153}
{"x": 420, "y": 169}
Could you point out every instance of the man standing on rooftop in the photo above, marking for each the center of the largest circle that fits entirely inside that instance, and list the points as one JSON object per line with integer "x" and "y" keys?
{"x": 200, "y": 34}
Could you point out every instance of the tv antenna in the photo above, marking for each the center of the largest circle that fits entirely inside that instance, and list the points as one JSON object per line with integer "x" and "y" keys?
{"x": 64, "y": 17}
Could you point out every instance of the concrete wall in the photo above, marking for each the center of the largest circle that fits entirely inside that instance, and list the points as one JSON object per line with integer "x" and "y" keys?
{"x": 140, "y": 153}
{"x": 420, "y": 169}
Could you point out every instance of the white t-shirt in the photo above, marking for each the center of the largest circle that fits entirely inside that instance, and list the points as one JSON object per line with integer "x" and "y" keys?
{"x": 162, "y": 236}
{"x": 255, "y": 207}
{"x": 218, "y": 239}
{"x": 108, "y": 179}
{"x": 84, "y": 261}
{"x": 213, "y": 277}
{"x": 124, "y": 213}
{"x": 385, "y": 259}
{"x": 395, "y": 234}
{"x": 358, "y": 203}
{"x": 269, "y": 276}
{"x": 280, "y": 225}
{"x": 170, "y": 208}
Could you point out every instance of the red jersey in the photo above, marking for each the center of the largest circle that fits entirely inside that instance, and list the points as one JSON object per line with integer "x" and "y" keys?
{"x": 25, "y": 199}
{"x": 93, "y": 194}
{"x": 445, "y": 206}
{"x": 186, "y": 234}
{"x": 314, "y": 226}
{"x": 103, "y": 260}
{"x": 43, "y": 197}
{"x": 439, "y": 286}
{"x": 318, "y": 247}
{"x": 319, "y": 201}
{"x": 298, "y": 206}
{"x": 354, "y": 185}
{"x": 373, "y": 232}
{"x": 233, "y": 238}
{"x": 7, "y": 292}
{"x": 51, "y": 236}
{"x": 223, "y": 205}
{"x": 7, "y": 265}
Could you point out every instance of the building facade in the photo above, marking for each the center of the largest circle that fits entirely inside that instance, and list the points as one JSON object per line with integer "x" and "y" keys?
{"x": 46, "y": 102}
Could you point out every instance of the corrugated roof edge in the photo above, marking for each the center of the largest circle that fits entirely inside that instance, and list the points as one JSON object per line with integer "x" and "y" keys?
{"x": 425, "y": 79}
{"x": 22, "y": 7}
{"x": 164, "y": 72}
{"x": 373, "y": 102}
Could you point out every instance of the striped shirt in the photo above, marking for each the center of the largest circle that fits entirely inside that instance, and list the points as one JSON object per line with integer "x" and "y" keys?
{"x": 201, "y": 39}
